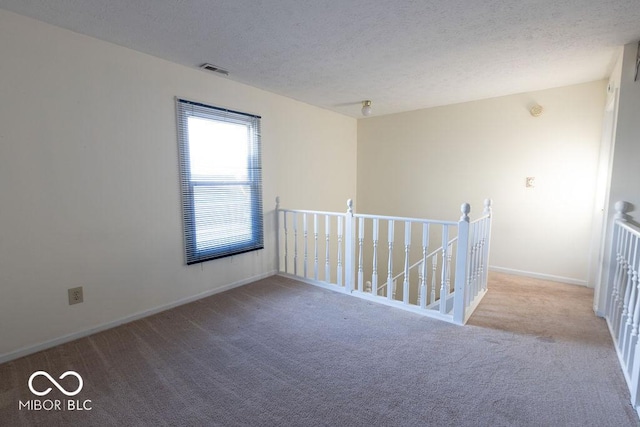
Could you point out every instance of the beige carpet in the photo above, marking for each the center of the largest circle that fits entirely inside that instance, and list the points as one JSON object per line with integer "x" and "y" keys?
{"x": 278, "y": 352}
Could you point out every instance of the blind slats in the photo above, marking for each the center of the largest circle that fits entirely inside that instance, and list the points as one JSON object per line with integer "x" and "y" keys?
{"x": 221, "y": 181}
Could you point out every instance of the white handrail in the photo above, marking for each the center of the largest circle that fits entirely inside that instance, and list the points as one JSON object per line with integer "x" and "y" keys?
{"x": 405, "y": 219}
{"x": 480, "y": 218}
{"x": 311, "y": 212}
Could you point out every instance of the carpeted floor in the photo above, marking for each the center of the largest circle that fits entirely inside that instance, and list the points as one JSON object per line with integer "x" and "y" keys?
{"x": 280, "y": 353}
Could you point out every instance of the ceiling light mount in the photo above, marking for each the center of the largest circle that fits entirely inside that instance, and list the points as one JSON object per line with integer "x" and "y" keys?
{"x": 536, "y": 110}
{"x": 366, "y": 108}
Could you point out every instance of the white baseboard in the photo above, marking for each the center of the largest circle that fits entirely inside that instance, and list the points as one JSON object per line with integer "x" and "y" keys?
{"x": 561, "y": 279}
{"x": 598, "y": 312}
{"x": 313, "y": 282}
{"x": 81, "y": 334}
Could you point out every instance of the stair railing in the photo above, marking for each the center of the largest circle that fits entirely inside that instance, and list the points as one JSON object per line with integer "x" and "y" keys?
{"x": 450, "y": 279}
{"x": 622, "y": 309}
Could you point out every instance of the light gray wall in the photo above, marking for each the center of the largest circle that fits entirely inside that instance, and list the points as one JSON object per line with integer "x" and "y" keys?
{"x": 89, "y": 190}
{"x": 625, "y": 174}
{"x": 625, "y": 178}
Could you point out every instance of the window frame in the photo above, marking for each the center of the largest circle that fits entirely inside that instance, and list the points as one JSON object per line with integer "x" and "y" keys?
{"x": 185, "y": 109}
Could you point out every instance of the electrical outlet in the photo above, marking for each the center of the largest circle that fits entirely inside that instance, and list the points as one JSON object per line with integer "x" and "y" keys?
{"x": 75, "y": 295}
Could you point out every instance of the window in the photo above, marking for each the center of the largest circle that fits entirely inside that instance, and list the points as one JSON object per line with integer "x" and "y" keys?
{"x": 221, "y": 181}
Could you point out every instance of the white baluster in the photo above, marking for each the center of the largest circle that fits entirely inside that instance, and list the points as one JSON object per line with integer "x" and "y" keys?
{"x": 327, "y": 267}
{"x": 478, "y": 237}
{"x": 306, "y": 244}
{"x": 374, "y": 275}
{"x": 483, "y": 253}
{"x": 390, "y": 262}
{"x": 616, "y": 302}
{"x": 278, "y": 231}
{"x": 615, "y": 292}
{"x": 629, "y": 353}
{"x": 349, "y": 248}
{"x": 625, "y": 291}
{"x": 449, "y": 254}
{"x": 421, "y": 292}
{"x": 477, "y": 258}
{"x": 632, "y": 353}
{"x": 407, "y": 244}
{"x": 360, "y": 254}
{"x": 295, "y": 243}
{"x": 448, "y": 280}
{"x": 434, "y": 275}
{"x": 423, "y": 266}
{"x": 479, "y": 232}
{"x": 627, "y": 329}
{"x": 485, "y": 243}
{"x": 339, "y": 269}
{"x": 622, "y": 282}
{"x": 627, "y": 322}
{"x": 620, "y": 269}
{"x": 473, "y": 264}
{"x": 286, "y": 243}
{"x": 445, "y": 271}
{"x": 315, "y": 246}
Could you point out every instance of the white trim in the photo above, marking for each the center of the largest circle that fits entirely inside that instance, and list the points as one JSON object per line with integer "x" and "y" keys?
{"x": 568, "y": 280}
{"x": 598, "y": 312}
{"x": 319, "y": 283}
{"x": 84, "y": 333}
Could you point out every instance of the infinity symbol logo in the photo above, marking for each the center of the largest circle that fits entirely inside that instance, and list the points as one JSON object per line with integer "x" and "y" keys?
{"x": 55, "y": 383}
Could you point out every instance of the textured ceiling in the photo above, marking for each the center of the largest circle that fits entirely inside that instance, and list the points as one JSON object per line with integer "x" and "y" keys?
{"x": 403, "y": 55}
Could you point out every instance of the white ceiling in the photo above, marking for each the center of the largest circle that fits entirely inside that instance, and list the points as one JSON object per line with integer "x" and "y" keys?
{"x": 403, "y": 55}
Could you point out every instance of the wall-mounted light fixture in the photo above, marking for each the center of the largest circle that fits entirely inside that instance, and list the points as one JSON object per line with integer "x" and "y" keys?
{"x": 366, "y": 108}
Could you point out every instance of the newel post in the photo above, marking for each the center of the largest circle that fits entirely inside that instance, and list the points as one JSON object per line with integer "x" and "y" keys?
{"x": 462, "y": 251}
{"x": 621, "y": 211}
{"x": 487, "y": 207}
{"x": 349, "y": 248}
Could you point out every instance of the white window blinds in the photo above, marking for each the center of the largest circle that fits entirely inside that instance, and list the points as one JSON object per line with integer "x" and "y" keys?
{"x": 221, "y": 181}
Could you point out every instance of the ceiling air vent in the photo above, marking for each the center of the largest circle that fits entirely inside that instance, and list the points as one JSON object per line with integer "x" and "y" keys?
{"x": 214, "y": 69}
